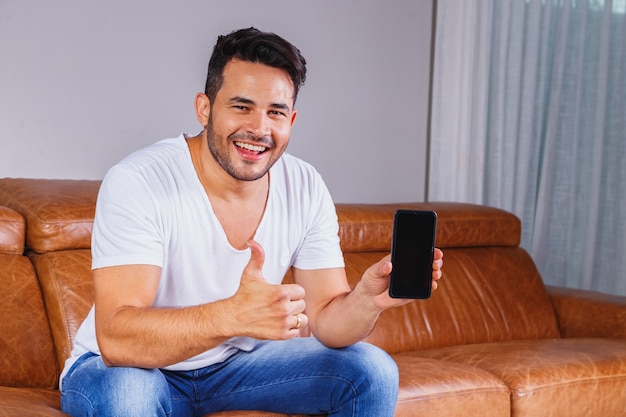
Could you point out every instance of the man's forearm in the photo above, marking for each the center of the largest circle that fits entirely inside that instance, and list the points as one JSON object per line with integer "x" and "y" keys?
{"x": 158, "y": 337}
{"x": 347, "y": 319}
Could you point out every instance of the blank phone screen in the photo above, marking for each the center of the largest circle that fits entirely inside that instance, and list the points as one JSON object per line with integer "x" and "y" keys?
{"x": 412, "y": 253}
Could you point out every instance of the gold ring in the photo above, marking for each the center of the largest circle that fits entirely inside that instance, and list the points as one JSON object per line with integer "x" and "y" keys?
{"x": 299, "y": 321}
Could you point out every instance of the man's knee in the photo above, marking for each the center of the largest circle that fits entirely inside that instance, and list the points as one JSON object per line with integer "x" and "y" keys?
{"x": 94, "y": 389}
{"x": 377, "y": 368}
{"x": 140, "y": 392}
{"x": 369, "y": 381}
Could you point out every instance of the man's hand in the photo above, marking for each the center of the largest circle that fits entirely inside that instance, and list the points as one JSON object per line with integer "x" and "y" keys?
{"x": 437, "y": 265}
{"x": 133, "y": 333}
{"x": 263, "y": 310}
{"x": 375, "y": 282}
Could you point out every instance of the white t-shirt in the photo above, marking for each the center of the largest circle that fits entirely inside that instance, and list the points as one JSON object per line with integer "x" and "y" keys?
{"x": 152, "y": 209}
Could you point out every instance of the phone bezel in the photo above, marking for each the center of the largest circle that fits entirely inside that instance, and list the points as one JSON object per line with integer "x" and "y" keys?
{"x": 424, "y": 291}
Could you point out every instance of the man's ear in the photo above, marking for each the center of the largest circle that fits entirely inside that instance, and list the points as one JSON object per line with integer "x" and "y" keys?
{"x": 294, "y": 114}
{"x": 203, "y": 108}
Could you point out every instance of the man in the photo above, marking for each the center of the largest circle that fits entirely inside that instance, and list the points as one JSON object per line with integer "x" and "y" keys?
{"x": 190, "y": 316}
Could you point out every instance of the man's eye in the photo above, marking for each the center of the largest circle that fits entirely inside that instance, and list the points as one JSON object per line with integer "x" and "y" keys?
{"x": 277, "y": 113}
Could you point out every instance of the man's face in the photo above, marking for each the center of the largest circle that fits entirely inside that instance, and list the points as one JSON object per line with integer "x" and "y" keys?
{"x": 250, "y": 121}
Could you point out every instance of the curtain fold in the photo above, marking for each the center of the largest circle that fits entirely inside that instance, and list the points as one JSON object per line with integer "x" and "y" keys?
{"x": 529, "y": 115}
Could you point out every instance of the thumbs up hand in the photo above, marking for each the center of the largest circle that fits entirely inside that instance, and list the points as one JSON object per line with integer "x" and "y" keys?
{"x": 266, "y": 311}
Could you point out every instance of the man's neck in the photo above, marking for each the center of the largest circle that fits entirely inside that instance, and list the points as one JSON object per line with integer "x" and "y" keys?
{"x": 238, "y": 205}
{"x": 217, "y": 183}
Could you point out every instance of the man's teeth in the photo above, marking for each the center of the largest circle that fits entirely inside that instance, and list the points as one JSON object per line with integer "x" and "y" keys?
{"x": 250, "y": 147}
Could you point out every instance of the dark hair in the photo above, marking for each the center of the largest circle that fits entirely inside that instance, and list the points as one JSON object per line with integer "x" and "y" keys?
{"x": 252, "y": 45}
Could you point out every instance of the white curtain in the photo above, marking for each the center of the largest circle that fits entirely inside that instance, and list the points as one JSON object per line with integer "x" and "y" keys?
{"x": 529, "y": 115}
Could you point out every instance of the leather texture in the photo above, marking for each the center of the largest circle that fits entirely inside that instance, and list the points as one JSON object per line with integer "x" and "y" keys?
{"x": 26, "y": 347}
{"x": 12, "y": 232}
{"x": 585, "y": 377}
{"x": 583, "y": 313}
{"x": 488, "y": 294}
{"x": 59, "y": 213}
{"x": 492, "y": 340}
{"x": 29, "y": 402}
{"x": 368, "y": 227}
{"x": 431, "y": 387}
{"x": 67, "y": 288}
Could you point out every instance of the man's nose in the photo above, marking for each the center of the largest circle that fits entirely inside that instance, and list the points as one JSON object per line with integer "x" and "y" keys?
{"x": 259, "y": 124}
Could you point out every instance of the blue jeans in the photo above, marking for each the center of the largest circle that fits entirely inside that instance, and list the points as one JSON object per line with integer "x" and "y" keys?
{"x": 297, "y": 376}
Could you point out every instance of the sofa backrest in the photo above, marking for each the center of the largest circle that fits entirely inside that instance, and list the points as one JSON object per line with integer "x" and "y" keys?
{"x": 26, "y": 349}
{"x": 491, "y": 290}
{"x": 59, "y": 215}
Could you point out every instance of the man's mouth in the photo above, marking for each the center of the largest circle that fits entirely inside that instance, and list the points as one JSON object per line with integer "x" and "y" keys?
{"x": 251, "y": 148}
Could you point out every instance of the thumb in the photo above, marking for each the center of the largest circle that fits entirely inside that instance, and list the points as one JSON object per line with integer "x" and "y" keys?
{"x": 381, "y": 269}
{"x": 254, "y": 268}
{"x": 375, "y": 280}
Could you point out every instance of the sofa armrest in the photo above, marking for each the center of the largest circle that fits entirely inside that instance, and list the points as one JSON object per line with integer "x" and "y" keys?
{"x": 583, "y": 313}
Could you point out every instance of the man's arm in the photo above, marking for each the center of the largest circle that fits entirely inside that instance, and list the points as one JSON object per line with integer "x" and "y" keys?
{"x": 131, "y": 332}
{"x": 338, "y": 316}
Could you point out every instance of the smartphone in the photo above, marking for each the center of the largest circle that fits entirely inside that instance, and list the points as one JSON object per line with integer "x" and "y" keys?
{"x": 412, "y": 252}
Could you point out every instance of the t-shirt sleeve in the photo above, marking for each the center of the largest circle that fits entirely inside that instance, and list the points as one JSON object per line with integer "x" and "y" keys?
{"x": 126, "y": 226}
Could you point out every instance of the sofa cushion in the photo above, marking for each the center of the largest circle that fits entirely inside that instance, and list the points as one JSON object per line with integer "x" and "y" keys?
{"x": 587, "y": 313}
{"x": 30, "y": 402}
{"x": 432, "y": 387}
{"x": 59, "y": 213}
{"x": 368, "y": 227}
{"x": 67, "y": 286}
{"x": 487, "y": 294}
{"x": 26, "y": 350}
{"x": 12, "y": 231}
{"x": 555, "y": 377}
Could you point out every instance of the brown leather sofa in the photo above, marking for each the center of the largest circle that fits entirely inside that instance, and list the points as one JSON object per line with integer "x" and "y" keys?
{"x": 492, "y": 341}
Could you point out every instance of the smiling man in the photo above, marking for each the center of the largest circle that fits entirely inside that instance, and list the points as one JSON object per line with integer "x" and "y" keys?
{"x": 191, "y": 240}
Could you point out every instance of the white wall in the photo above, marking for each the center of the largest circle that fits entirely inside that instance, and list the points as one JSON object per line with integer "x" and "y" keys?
{"x": 83, "y": 83}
